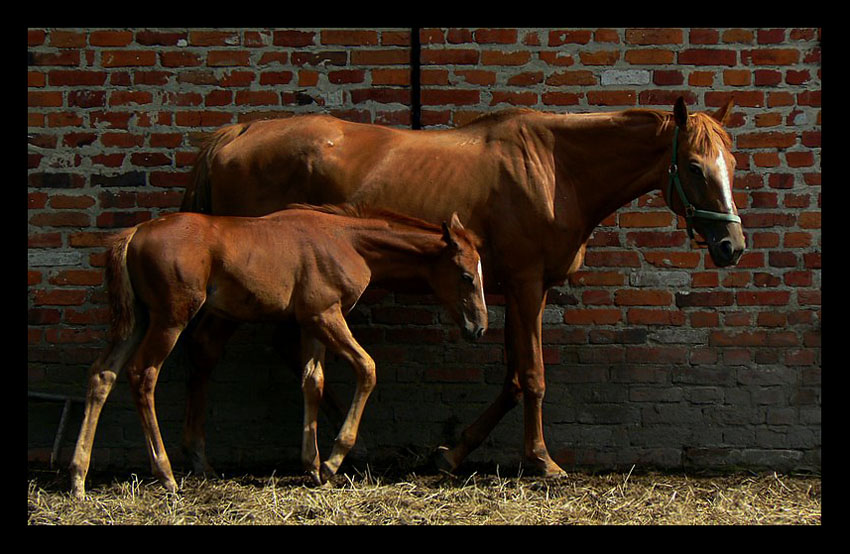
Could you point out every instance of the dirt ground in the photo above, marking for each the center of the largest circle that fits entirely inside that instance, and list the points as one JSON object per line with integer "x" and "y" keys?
{"x": 473, "y": 498}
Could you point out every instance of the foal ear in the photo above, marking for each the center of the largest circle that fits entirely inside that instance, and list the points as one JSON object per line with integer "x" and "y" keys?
{"x": 450, "y": 228}
{"x": 722, "y": 114}
{"x": 680, "y": 113}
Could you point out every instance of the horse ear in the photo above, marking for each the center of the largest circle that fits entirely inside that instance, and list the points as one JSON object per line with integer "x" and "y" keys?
{"x": 680, "y": 113}
{"x": 456, "y": 225}
{"x": 447, "y": 235}
{"x": 722, "y": 114}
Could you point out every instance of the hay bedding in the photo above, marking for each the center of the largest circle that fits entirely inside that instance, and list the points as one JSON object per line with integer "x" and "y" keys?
{"x": 474, "y": 499}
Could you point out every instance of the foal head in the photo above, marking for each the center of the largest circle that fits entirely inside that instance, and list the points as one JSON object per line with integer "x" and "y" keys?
{"x": 699, "y": 186}
{"x": 457, "y": 282}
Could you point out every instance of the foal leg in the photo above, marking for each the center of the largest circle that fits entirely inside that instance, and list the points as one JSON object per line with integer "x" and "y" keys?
{"x": 312, "y": 386}
{"x": 102, "y": 376}
{"x": 288, "y": 343}
{"x": 205, "y": 348}
{"x": 142, "y": 373}
{"x": 333, "y": 331}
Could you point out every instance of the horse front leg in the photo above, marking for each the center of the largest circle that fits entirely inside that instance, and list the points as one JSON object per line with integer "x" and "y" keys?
{"x": 524, "y": 380}
{"x": 205, "y": 348}
{"x": 331, "y": 328}
{"x": 524, "y": 349}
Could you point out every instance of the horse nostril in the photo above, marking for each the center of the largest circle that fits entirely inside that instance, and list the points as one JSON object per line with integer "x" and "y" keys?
{"x": 726, "y": 249}
{"x": 479, "y": 332}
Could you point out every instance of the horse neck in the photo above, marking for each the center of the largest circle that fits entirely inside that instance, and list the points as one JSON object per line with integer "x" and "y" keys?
{"x": 607, "y": 160}
{"x": 397, "y": 253}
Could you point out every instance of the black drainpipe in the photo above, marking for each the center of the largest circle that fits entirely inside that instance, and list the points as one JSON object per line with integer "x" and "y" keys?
{"x": 415, "y": 82}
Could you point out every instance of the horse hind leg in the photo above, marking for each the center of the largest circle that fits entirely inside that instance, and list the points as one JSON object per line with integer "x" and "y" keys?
{"x": 142, "y": 373}
{"x": 312, "y": 386}
{"x": 102, "y": 375}
{"x": 205, "y": 348}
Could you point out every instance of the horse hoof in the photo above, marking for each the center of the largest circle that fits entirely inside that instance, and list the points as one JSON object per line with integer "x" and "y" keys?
{"x": 314, "y": 477}
{"x": 441, "y": 460}
{"x": 327, "y": 472}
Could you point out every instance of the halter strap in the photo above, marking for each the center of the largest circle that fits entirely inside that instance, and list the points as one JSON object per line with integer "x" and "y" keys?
{"x": 691, "y": 212}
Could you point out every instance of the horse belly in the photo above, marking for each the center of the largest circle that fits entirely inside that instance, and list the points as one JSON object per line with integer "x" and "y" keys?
{"x": 234, "y": 300}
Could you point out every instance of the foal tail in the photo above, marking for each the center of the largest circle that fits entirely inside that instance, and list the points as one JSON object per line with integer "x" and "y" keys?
{"x": 122, "y": 299}
{"x": 197, "y": 195}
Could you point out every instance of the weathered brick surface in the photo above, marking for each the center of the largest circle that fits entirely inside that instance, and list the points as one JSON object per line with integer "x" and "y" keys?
{"x": 654, "y": 356}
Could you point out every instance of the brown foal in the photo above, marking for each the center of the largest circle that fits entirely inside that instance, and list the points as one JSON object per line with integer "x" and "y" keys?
{"x": 307, "y": 264}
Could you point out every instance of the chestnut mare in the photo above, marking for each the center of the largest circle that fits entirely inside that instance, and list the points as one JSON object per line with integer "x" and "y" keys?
{"x": 309, "y": 264}
{"x": 531, "y": 185}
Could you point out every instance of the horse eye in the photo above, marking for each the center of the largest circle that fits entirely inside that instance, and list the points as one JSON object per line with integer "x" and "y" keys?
{"x": 468, "y": 278}
{"x": 695, "y": 169}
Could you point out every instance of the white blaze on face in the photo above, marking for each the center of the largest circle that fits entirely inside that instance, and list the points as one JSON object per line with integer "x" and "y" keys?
{"x": 725, "y": 185}
{"x": 481, "y": 281}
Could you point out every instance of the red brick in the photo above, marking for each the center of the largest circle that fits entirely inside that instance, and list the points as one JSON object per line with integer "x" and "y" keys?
{"x": 572, "y": 78}
{"x": 611, "y": 97}
{"x": 646, "y": 316}
{"x": 349, "y": 37}
{"x": 495, "y": 36}
{"x": 456, "y": 97}
{"x": 515, "y": 98}
{"x": 717, "y": 298}
{"x": 663, "y": 77}
{"x": 80, "y": 277}
{"x": 228, "y": 58}
{"x": 293, "y": 38}
{"x": 703, "y": 36}
{"x": 214, "y": 38}
{"x": 59, "y": 297}
{"x": 769, "y": 139}
{"x": 558, "y": 58}
{"x": 763, "y": 298}
{"x": 771, "y": 56}
{"x": 67, "y": 39}
{"x": 601, "y": 57}
{"x": 650, "y": 56}
{"x": 496, "y": 57}
{"x": 110, "y": 38}
{"x": 641, "y": 297}
{"x": 562, "y": 37}
{"x": 600, "y": 316}
{"x": 127, "y": 58}
{"x": 645, "y": 37}
{"x": 708, "y": 56}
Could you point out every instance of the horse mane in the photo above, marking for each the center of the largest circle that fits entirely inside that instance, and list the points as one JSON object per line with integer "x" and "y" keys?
{"x": 703, "y": 129}
{"x": 394, "y": 219}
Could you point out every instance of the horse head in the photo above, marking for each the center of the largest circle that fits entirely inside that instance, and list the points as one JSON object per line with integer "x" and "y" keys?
{"x": 699, "y": 185}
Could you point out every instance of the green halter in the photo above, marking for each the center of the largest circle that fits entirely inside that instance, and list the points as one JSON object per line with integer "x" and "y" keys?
{"x": 691, "y": 213}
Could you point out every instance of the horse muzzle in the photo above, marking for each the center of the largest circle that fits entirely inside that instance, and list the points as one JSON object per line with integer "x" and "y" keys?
{"x": 725, "y": 252}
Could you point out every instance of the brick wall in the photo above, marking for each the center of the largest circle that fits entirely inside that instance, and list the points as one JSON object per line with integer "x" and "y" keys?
{"x": 654, "y": 356}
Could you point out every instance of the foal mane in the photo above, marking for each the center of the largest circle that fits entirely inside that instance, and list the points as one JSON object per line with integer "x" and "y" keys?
{"x": 394, "y": 219}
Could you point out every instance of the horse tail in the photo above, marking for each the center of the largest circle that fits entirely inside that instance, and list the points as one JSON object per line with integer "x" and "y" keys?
{"x": 197, "y": 195}
{"x": 122, "y": 298}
